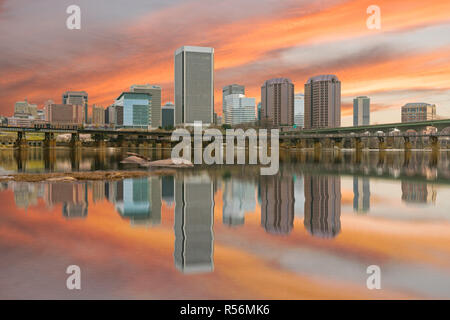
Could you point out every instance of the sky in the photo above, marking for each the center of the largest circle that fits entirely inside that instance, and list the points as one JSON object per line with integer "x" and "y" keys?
{"x": 126, "y": 42}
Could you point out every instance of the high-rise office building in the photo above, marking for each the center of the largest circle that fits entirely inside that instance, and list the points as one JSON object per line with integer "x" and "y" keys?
{"x": 323, "y": 102}
{"x": 259, "y": 111}
{"x": 361, "y": 111}
{"x": 155, "y": 107}
{"x": 110, "y": 115}
{"x": 24, "y": 109}
{"x": 361, "y": 194}
{"x": 77, "y": 98}
{"x": 239, "y": 109}
{"x": 168, "y": 115}
{"x": 63, "y": 113}
{"x": 98, "y": 115}
{"x": 194, "y": 217}
{"x": 277, "y": 102}
{"x": 194, "y": 85}
{"x": 231, "y": 89}
{"x": 299, "y": 110}
{"x": 132, "y": 110}
{"x": 322, "y": 205}
{"x": 418, "y": 111}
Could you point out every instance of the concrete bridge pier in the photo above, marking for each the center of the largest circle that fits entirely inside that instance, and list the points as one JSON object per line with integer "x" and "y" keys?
{"x": 358, "y": 144}
{"x": 49, "y": 140}
{"x": 121, "y": 141}
{"x": 75, "y": 158}
{"x": 75, "y": 141}
{"x": 317, "y": 149}
{"x": 434, "y": 143}
{"x": 381, "y": 144}
{"x": 407, "y": 145}
{"x": 100, "y": 141}
{"x": 21, "y": 141}
{"x": 49, "y": 159}
{"x": 339, "y": 143}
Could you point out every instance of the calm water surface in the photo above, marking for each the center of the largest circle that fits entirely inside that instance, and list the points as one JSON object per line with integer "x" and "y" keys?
{"x": 225, "y": 232}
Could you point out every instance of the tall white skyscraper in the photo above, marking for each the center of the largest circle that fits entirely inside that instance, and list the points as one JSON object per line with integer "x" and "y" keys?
{"x": 361, "y": 111}
{"x": 194, "y": 85}
{"x": 299, "y": 110}
{"x": 239, "y": 109}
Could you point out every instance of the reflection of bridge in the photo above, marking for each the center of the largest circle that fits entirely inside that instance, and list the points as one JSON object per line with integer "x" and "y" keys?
{"x": 431, "y": 129}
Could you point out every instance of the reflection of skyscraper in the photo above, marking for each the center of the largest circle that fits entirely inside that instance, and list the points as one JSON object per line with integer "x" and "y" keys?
{"x": 238, "y": 198}
{"x": 167, "y": 189}
{"x": 26, "y": 194}
{"x": 299, "y": 196}
{"x": 277, "y": 204}
{"x": 139, "y": 200}
{"x": 98, "y": 191}
{"x": 73, "y": 196}
{"x": 413, "y": 192}
{"x": 323, "y": 205}
{"x": 194, "y": 216}
{"x": 361, "y": 194}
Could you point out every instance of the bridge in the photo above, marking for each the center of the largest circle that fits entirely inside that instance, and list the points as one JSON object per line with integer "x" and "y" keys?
{"x": 431, "y": 129}
{"x": 99, "y": 135}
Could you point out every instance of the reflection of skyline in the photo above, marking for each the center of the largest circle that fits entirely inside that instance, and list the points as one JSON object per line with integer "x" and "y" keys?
{"x": 193, "y": 226}
{"x": 415, "y": 192}
{"x": 238, "y": 198}
{"x": 73, "y": 197}
{"x": 323, "y": 205}
{"x": 361, "y": 194}
{"x": 167, "y": 189}
{"x": 139, "y": 200}
{"x": 277, "y": 204}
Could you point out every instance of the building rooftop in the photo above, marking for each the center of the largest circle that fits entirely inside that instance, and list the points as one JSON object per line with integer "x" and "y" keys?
{"x": 277, "y": 81}
{"x": 194, "y": 49}
{"x": 323, "y": 77}
{"x": 417, "y": 104}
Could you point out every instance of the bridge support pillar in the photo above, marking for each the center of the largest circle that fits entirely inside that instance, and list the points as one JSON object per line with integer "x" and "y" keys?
{"x": 49, "y": 140}
{"x": 21, "y": 141}
{"x": 100, "y": 141}
{"x": 358, "y": 145}
{"x": 75, "y": 141}
{"x": 407, "y": 145}
{"x": 121, "y": 142}
{"x": 381, "y": 144}
{"x": 339, "y": 143}
{"x": 434, "y": 143}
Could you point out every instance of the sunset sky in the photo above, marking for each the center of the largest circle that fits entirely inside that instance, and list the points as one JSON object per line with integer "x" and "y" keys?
{"x": 124, "y": 42}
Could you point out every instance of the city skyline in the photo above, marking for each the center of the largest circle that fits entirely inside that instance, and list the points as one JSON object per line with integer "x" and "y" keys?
{"x": 407, "y": 60}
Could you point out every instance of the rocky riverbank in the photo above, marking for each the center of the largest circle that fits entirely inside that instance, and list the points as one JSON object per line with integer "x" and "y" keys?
{"x": 82, "y": 176}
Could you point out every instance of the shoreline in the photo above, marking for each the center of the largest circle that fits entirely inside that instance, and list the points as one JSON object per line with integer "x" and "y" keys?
{"x": 82, "y": 176}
